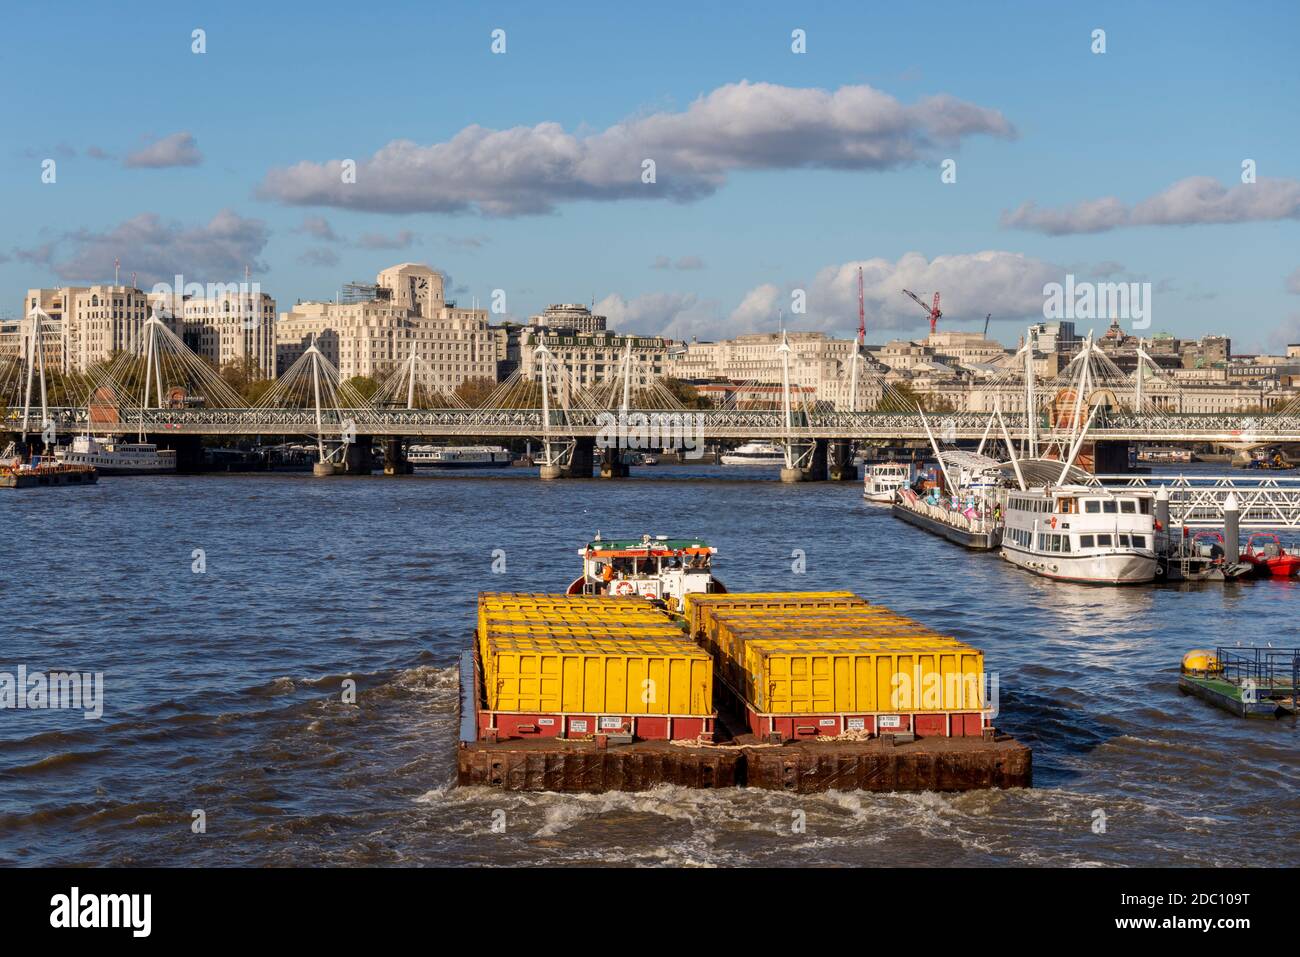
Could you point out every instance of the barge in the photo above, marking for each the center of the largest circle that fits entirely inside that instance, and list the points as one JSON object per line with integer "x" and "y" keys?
{"x": 962, "y": 505}
{"x": 41, "y": 472}
{"x": 792, "y": 691}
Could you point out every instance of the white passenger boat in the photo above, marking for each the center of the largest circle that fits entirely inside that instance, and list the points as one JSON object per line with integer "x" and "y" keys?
{"x": 882, "y": 482}
{"x": 458, "y": 456}
{"x": 111, "y": 456}
{"x": 1081, "y": 533}
{"x": 755, "y": 453}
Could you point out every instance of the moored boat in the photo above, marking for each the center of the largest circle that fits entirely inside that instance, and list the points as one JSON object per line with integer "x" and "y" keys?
{"x": 1081, "y": 533}
{"x": 963, "y": 507}
{"x": 883, "y": 481}
{"x": 1266, "y": 555}
{"x": 114, "y": 456}
{"x": 458, "y": 457}
{"x": 755, "y": 453}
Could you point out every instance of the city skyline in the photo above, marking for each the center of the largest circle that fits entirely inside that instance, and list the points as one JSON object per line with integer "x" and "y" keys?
{"x": 776, "y": 171}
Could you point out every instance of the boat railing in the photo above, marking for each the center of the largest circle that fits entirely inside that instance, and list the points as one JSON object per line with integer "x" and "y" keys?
{"x": 1270, "y": 670}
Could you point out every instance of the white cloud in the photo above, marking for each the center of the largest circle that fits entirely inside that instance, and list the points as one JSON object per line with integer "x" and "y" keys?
{"x": 178, "y": 149}
{"x": 672, "y": 314}
{"x": 738, "y": 126}
{"x": 157, "y": 251}
{"x": 1196, "y": 199}
{"x": 1005, "y": 284}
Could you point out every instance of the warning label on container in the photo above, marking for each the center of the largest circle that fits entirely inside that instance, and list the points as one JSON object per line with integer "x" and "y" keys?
{"x": 578, "y": 726}
{"x": 891, "y": 721}
{"x": 826, "y": 722}
{"x": 855, "y": 724}
{"x": 546, "y": 722}
{"x": 611, "y": 724}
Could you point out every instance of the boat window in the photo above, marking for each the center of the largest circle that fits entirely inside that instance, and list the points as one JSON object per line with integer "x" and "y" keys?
{"x": 1086, "y": 541}
{"x": 1139, "y": 541}
{"x": 1123, "y": 541}
{"x": 1110, "y": 507}
{"x": 1092, "y": 506}
{"x": 1065, "y": 543}
{"x": 1103, "y": 541}
{"x": 1144, "y": 506}
{"x": 1128, "y": 506}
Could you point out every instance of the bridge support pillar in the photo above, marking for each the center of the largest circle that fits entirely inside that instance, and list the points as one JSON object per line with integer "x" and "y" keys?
{"x": 840, "y": 461}
{"x": 576, "y": 463}
{"x": 356, "y": 459}
{"x": 189, "y": 450}
{"x": 395, "y": 462}
{"x": 815, "y": 471}
{"x": 612, "y": 464}
{"x": 1111, "y": 458}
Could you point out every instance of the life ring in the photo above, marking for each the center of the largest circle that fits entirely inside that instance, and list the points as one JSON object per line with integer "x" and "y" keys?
{"x": 624, "y": 588}
{"x": 1053, "y": 522}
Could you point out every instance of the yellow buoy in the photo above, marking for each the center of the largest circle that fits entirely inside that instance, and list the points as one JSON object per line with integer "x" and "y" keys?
{"x": 1201, "y": 661}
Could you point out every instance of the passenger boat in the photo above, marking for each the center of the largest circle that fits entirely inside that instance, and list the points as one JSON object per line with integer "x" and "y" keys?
{"x": 113, "y": 456}
{"x": 1269, "y": 559}
{"x": 963, "y": 509}
{"x": 755, "y": 453}
{"x": 661, "y": 568}
{"x": 458, "y": 457}
{"x": 882, "y": 482}
{"x": 1081, "y": 533}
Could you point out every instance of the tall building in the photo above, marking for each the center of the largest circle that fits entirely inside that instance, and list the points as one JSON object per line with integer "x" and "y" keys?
{"x": 235, "y": 323}
{"x": 380, "y": 326}
{"x": 569, "y": 315}
{"x": 594, "y": 357}
{"x": 94, "y": 321}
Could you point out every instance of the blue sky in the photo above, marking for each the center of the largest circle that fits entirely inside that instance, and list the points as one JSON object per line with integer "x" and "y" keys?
{"x": 1184, "y": 90}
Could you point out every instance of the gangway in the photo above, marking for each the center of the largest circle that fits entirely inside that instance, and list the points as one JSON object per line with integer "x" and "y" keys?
{"x": 1196, "y": 501}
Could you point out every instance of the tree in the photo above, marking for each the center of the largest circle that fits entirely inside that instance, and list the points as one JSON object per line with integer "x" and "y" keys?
{"x": 473, "y": 391}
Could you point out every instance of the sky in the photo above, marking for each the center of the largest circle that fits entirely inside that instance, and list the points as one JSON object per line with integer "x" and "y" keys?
{"x": 522, "y": 174}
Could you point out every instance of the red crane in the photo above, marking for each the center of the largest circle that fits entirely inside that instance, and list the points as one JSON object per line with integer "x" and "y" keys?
{"x": 933, "y": 311}
{"x": 862, "y": 313}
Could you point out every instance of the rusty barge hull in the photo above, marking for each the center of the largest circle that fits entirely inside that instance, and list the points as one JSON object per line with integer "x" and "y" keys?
{"x": 926, "y": 764}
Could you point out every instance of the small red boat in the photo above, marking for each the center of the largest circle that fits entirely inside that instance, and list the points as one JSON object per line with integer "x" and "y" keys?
{"x": 1265, "y": 552}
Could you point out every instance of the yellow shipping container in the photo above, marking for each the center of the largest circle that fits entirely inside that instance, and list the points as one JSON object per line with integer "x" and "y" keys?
{"x": 508, "y": 611}
{"x": 586, "y": 676}
{"x": 698, "y": 607}
{"x": 783, "y": 678}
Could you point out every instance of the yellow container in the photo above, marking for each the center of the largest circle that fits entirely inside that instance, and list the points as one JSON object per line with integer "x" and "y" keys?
{"x": 698, "y": 607}
{"x": 567, "y": 611}
{"x": 587, "y": 676}
{"x": 783, "y": 678}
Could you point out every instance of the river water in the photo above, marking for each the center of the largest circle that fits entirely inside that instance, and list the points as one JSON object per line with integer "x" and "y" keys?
{"x": 223, "y": 687}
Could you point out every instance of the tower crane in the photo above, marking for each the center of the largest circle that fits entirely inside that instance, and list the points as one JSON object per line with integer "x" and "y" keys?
{"x": 933, "y": 311}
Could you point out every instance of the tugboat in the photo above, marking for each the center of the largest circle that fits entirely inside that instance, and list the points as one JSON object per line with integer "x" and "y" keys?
{"x": 659, "y": 568}
{"x": 1265, "y": 553}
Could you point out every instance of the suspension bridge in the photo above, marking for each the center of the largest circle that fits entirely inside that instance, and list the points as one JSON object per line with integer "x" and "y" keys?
{"x": 157, "y": 387}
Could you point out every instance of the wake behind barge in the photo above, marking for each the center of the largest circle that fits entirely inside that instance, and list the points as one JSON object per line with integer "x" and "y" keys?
{"x": 599, "y": 690}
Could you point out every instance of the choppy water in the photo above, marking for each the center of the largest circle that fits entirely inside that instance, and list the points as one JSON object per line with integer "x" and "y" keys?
{"x": 223, "y": 689}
